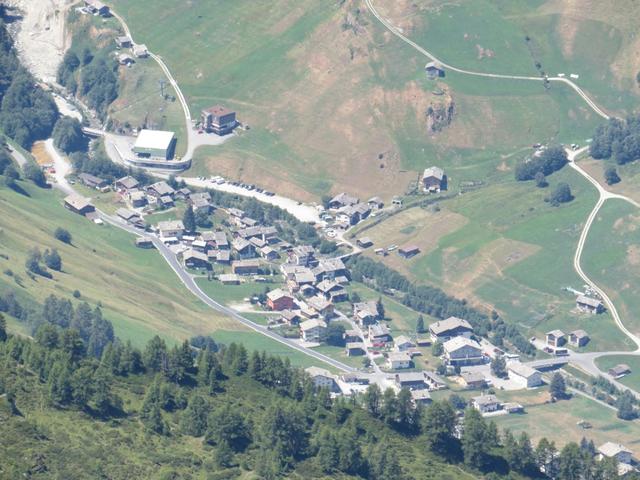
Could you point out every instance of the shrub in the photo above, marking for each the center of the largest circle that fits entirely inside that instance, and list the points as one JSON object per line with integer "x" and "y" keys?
{"x": 62, "y": 235}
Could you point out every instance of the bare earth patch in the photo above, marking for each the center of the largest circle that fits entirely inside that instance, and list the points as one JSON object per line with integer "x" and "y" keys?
{"x": 40, "y": 153}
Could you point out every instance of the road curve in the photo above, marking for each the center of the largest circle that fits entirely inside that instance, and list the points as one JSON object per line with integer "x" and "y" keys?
{"x": 431, "y": 56}
{"x": 604, "y": 195}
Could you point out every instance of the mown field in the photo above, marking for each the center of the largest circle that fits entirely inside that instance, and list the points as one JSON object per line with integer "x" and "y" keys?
{"x": 138, "y": 291}
{"x": 336, "y": 103}
{"x": 633, "y": 379}
{"x": 611, "y": 258}
{"x": 549, "y": 419}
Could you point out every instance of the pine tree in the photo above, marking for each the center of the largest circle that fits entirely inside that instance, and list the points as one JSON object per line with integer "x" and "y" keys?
{"x": 189, "y": 219}
{"x": 194, "y": 417}
{"x": 380, "y": 307}
{"x": 571, "y": 462}
{"x": 3, "y": 328}
{"x": 557, "y": 387}
{"x": 155, "y": 354}
{"x": 372, "y": 399}
{"x": 420, "y": 325}
{"x": 439, "y": 425}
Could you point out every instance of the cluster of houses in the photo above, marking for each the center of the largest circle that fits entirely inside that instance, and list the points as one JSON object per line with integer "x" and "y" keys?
{"x": 96, "y": 7}
{"x": 419, "y": 384}
{"x": 555, "y": 340}
{"x": 135, "y": 50}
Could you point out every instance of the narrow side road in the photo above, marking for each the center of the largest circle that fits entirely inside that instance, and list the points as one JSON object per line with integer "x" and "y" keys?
{"x": 432, "y": 57}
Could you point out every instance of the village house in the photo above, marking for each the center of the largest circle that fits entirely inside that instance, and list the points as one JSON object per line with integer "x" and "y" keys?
{"x": 331, "y": 269}
{"x": 130, "y": 216}
{"x": 144, "y": 242}
{"x": 486, "y": 403}
{"x": 200, "y": 245}
{"x": 523, "y": 375}
{"x": 137, "y": 198}
{"x": 589, "y": 305}
{"x": 352, "y": 336}
{"x": 434, "y": 381}
{"x": 258, "y": 243}
{"x": 161, "y": 189}
{"x": 245, "y": 267}
{"x": 379, "y": 333}
{"x": 182, "y": 194}
{"x": 123, "y": 41}
{"x": 451, "y": 327}
{"x": 218, "y": 119}
{"x": 96, "y": 7}
{"x": 342, "y": 200}
{"x": 229, "y": 279}
{"x": 375, "y": 202}
{"x": 472, "y": 380}
{"x": 125, "y": 59}
{"x": 578, "y": 338}
{"x": 322, "y": 378}
{"x": 355, "y": 349}
{"x": 301, "y": 279}
{"x": 127, "y": 183}
{"x": 433, "y": 179}
{"x": 140, "y": 51}
{"x": 313, "y": 330}
{"x": 92, "y": 181}
{"x": 321, "y": 305}
{"x": 402, "y": 343}
{"x": 409, "y": 251}
{"x": 364, "y": 242}
{"x": 619, "y": 370}
{"x": 269, "y": 254}
{"x": 303, "y": 255}
{"x": 461, "y": 351}
{"x": 411, "y": 380}
{"x": 78, "y": 204}
{"x": 248, "y": 222}
{"x": 220, "y": 240}
{"x": 556, "y": 338}
{"x": 235, "y": 212}
{"x": 350, "y": 215}
{"x": 290, "y": 317}
{"x": 201, "y": 201}
{"x": 307, "y": 290}
{"x": 332, "y": 291}
{"x": 420, "y": 397}
{"x": 223, "y": 257}
{"x": 398, "y": 360}
{"x": 194, "y": 259}
{"x": 243, "y": 249}
{"x": 366, "y": 313}
{"x": 278, "y": 300}
{"x": 170, "y": 229}
{"x": 615, "y": 450}
{"x": 434, "y": 70}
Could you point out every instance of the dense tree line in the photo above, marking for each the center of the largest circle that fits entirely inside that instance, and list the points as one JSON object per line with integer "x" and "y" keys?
{"x": 550, "y": 160}
{"x": 27, "y": 113}
{"x": 617, "y": 139}
{"x": 280, "y": 423}
{"x": 435, "y": 302}
{"x": 94, "y": 78}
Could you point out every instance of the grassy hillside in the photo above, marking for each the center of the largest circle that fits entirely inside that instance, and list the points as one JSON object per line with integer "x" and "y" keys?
{"x": 611, "y": 258}
{"x": 138, "y": 291}
{"x": 502, "y": 247}
{"x": 335, "y": 102}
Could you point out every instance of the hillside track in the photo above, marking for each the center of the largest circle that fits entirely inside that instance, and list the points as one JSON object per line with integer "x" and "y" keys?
{"x": 453, "y": 68}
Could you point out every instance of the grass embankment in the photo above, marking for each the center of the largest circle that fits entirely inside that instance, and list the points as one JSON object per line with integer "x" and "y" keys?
{"x": 301, "y": 74}
{"x": 138, "y": 291}
{"x": 633, "y": 379}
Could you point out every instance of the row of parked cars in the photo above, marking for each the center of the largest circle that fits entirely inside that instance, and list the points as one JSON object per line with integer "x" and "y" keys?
{"x": 220, "y": 180}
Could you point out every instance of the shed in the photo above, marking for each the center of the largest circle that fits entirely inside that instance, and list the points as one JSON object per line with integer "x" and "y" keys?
{"x": 155, "y": 143}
